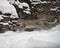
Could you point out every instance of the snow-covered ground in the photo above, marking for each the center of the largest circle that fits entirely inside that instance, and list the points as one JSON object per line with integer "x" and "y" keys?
{"x": 34, "y": 39}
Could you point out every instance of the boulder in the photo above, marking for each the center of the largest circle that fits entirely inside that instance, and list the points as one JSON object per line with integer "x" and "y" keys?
{"x": 5, "y": 7}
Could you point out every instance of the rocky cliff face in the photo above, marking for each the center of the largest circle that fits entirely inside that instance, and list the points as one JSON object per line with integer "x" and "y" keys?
{"x": 44, "y": 15}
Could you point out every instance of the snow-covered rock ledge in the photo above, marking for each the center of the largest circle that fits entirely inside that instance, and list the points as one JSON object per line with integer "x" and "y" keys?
{"x": 5, "y": 7}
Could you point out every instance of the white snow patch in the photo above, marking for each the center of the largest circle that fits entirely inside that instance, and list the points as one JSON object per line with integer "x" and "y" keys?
{"x": 35, "y": 1}
{"x": 42, "y": 2}
{"x": 1, "y": 17}
{"x": 53, "y": 9}
{"x": 27, "y": 10}
{"x": 4, "y": 23}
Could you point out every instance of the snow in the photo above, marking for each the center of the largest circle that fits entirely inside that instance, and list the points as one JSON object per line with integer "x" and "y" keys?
{"x": 27, "y": 10}
{"x": 21, "y": 5}
{"x": 58, "y": 9}
{"x": 44, "y": 2}
{"x": 4, "y": 23}
{"x": 34, "y": 39}
{"x": 1, "y": 17}
{"x": 5, "y": 7}
{"x": 4, "y": 16}
{"x": 38, "y": 2}
{"x": 35, "y": 1}
{"x": 11, "y": 1}
{"x": 24, "y": 4}
{"x": 53, "y": 9}
{"x": 14, "y": 16}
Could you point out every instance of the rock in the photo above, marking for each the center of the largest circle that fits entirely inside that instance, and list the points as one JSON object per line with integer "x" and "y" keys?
{"x": 29, "y": 28}
{"x": 5, "y": 7}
